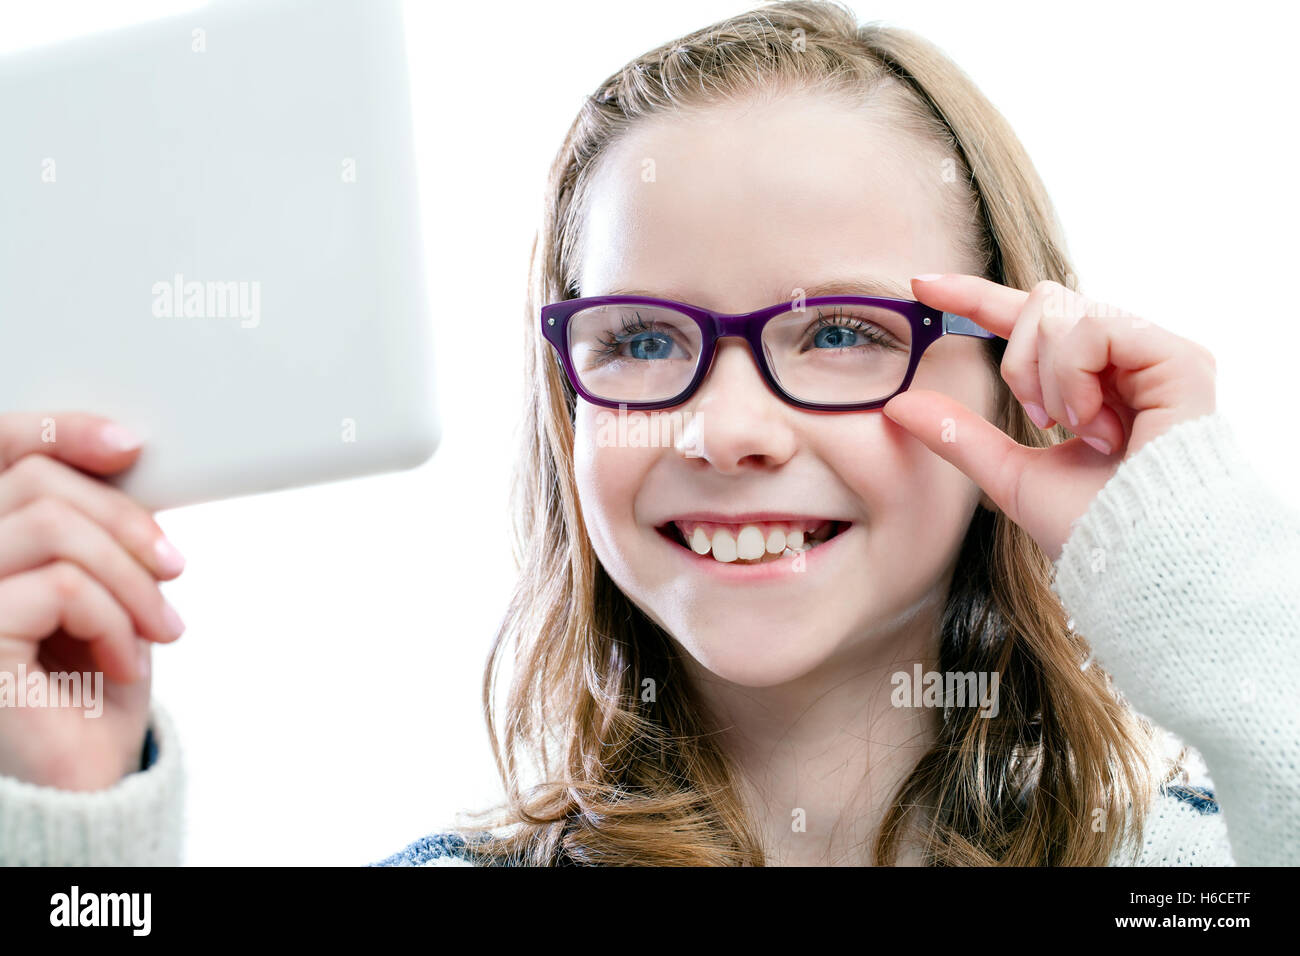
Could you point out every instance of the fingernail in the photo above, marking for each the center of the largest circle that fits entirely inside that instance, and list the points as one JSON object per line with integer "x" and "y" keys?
{"x": 929, "y": 276}
{"x": 1074, "y": 419}
{"x": 172, "y": 621}
{"x": 169, "y": 559}
{"x": 118, "y": 438}
{"x": 1098, "y": 444}
{"x": 142, "y": 665}
{"x": 1037, "y": 413}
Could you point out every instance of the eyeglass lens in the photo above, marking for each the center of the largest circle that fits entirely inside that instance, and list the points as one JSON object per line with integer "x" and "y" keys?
{"x": 838, "y": 354}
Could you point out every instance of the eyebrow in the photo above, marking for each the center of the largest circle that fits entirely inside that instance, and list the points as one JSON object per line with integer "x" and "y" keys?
{"x": 880, "y": 286}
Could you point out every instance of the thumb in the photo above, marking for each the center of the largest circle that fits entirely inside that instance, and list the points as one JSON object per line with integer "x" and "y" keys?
{"x": 89, "y": 442}
{"x": 982, "y": 451}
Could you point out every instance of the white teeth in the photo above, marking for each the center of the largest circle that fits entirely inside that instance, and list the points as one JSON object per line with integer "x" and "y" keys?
{"x": 749, "y": 544}
{"x": 724, "y": 546}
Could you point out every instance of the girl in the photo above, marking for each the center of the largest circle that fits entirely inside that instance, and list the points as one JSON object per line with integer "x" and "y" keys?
{"x": 847, "y": 612}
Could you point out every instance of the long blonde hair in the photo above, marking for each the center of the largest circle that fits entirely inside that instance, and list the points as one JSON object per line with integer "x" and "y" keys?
{"x": 622, "y": 780}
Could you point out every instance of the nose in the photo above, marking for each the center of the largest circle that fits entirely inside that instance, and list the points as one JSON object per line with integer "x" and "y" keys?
{"x": 738, "y": 422}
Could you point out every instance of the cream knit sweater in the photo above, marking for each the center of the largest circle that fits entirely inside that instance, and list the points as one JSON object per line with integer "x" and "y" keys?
{"x": 1184, "y": 574}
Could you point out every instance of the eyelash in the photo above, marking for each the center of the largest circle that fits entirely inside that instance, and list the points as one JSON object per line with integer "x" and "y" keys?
{"x": 872, "y": 333}
{"x": 837, "y": 319}
{"x": 609, "y": 344}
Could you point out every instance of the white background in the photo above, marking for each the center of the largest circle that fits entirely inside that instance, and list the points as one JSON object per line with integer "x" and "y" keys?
{"x": 327, "y": 689}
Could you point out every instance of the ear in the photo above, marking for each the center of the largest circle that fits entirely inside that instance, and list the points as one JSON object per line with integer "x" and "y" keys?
{"x": 987, "y": 503}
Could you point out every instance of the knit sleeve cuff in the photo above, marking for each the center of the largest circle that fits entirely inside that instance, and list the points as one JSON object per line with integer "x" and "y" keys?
{"x": 136, "y": 822}
{"x": 1184, "y": 577}
{"x": 1165, "y": 483}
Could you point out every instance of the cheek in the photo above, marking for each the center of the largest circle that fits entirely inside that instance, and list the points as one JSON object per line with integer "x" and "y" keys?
{"x": 922, "y": 514}
{"x": 935, "y": 500}
{"x": 904, "y": 488}
{"x": 916, "y": 507}
{"x": 608, "y": 478}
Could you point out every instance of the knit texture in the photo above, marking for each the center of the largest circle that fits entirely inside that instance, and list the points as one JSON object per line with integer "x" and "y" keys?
{"x": 1184, "y": 575}
{"x": 136, "y": 822}
{"x": 437, "y": 849}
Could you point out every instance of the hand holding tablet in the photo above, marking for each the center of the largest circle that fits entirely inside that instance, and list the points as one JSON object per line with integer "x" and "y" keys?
{"x": 209, "y": 234}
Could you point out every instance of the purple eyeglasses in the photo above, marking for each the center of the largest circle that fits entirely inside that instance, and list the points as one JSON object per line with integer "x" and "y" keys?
{"x": 829, "y": 353}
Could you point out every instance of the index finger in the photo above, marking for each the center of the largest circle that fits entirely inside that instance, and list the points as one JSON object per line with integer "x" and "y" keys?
{"x": 89, "y": 442}
{"x": 986, "y": 303}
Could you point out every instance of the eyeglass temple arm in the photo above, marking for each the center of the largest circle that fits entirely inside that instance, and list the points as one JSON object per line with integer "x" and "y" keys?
{"x": 955, "y": 324}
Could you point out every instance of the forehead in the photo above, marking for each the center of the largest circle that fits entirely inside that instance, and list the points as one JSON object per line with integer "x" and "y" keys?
{"x": 735, "y": 207}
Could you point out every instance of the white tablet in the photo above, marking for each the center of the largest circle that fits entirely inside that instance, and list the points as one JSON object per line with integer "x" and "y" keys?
{"x": 209, "y": 232}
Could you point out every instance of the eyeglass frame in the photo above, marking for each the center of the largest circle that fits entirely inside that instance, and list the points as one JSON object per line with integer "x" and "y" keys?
{"x": 928, "y": 326}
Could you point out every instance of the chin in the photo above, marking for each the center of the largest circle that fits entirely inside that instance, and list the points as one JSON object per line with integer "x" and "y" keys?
{"x": 754, "y": 653}
{"x": 758, "y": 630}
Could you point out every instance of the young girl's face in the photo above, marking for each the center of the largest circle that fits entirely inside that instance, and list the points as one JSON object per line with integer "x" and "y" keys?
{"x": 746, "y": 205}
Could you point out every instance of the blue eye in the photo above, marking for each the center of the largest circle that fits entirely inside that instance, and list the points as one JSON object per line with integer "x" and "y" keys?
{"x": 639, "y": 341}
{"x": 834, "y": 337}
{"x": 649, "y": 345}
{"x": 841, "y": 332}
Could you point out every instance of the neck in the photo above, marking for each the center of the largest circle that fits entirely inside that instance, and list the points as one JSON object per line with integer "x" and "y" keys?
{"x": 821, "y": 757}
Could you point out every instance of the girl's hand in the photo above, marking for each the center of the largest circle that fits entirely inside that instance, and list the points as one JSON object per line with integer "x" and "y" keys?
{"x": 1113, "y": 379}
{"x": 80, "y": 564}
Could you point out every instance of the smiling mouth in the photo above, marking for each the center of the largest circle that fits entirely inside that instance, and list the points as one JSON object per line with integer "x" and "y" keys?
{"x": 759, "y": 542}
